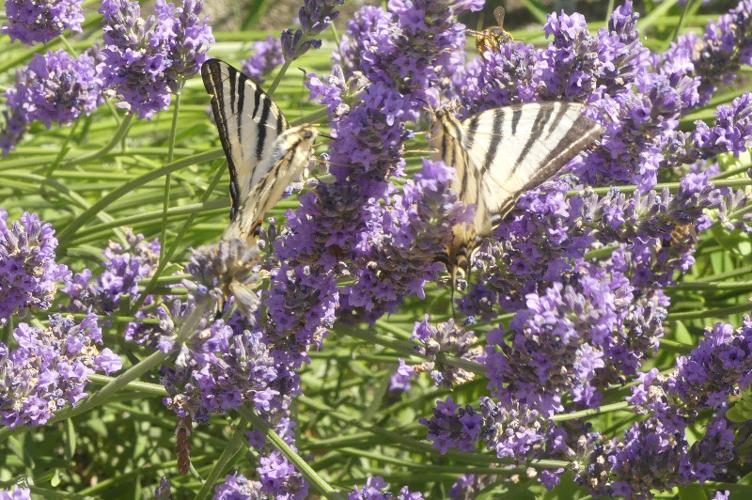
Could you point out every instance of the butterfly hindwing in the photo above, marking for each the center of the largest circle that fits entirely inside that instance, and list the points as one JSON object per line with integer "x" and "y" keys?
{"x": 248, "y": 121}
{"x": 288, "y": 157}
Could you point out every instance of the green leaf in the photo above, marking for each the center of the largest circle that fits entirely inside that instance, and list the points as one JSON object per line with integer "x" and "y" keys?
{"x": 70, "y": 439}
{"x": 742, "y": 410}
{"x": 692, "y": 492}
{"x": 55, "y": 479}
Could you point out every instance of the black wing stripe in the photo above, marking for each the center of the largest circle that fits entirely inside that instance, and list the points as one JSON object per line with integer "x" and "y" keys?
{"x": 212, "y": 78}
{"x": 262, "y": 128}
{"x": 582, "y": 133}
{"x": 498, "y": 123}
{"x": 563, "y": 108}
{"x": 233, "y": 91}
{"x": 516, "y": 115}
{"x": 540, "y": 122}
{"x": 241, "y": 101}
{"x": 471, "y": 130}
{"x": 256, "y": 101}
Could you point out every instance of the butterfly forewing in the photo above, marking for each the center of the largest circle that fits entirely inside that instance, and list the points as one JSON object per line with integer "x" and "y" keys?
{"x": 501, "y": 153}
{"x": 516, "y": 148}
{"x": 248, "y": 122}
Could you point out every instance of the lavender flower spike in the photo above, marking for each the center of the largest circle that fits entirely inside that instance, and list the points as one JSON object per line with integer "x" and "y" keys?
{"x": 28, "y": 271}
{"x": 50, "y": 368}
{"x": 315, "y": 16}
{"x": 267, "y": 55}
{"x": 146, "y": 59}
{"x": 39, "y": 21}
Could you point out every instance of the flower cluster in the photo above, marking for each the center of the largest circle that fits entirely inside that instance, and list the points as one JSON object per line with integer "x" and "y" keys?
{"x": 375, "y": 488}
{"x": 236, "y": 486}
{"x": 314, "y": 16}
{"x": 434, "y": 342}
{"x": 49, "y": 369}
{"x": 33, "y": 21}
{"x": 117, "y": 284}
{"x": 267, "y": 55}
{"x": 147, "y": 59}
{"x": 29, "y": 274}
{"x": 53, "y": 88}
{"x": 16, "y": 493}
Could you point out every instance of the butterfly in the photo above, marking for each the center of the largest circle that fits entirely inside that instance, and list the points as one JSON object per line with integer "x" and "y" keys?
{"x": 500, "y": 154}
{"x": 490, "y": 39}
{"x": 264, "y": 154}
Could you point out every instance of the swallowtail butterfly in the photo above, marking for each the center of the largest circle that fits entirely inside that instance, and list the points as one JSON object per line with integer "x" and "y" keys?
{"x": 264, "y": 154}
{"x": 500, "y": 154}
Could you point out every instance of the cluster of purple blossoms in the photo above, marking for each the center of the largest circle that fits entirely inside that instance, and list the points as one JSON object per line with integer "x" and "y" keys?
{"x": 445, "y": 339}
{"x": 53, "y": 88}
{"x": 237, "y": 486}
{"x": 375, "y": 488}
{"x": 315, "y": 16}
{"x": 144, "y": 60}
{"x": 267, "y": 55}
{"x": 50, "y": 367}
{"x": 29, "y": 274}
{"x": 33, "y": 21}
{"x": 117, "y": 284}
{"x": 16, "y": 493}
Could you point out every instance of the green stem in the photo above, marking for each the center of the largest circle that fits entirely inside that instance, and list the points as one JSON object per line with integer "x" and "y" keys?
{"x": 670, "y": 185}
{"x": 170, "y": 157}
{"x": 291, "y": 455}
{"x": 591, "y": 412}
{"x": 713, "y": 285}
{"x": 70, "y": 230}
{"x": 133, "y": 386}
{"x": 168, "y": 255}
{"x": 230, "y": 451}
{"x": 679, "y": 25}
{"x": 709, "y": 313}
{"x": 120, "y": 134}
{"x": 278, "y": 78}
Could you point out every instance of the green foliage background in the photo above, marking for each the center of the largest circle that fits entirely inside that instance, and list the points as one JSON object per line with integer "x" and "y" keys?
{"x": 106, "y": 173}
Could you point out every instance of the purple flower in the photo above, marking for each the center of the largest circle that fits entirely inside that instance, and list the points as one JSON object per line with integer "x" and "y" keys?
{"x": 33, "y": 21}
{"x": 54, "y": 88}
{"x": 446, "y": 339}
{"x": 280, "y": 479}
{"x": 123, "y": 268}
{"x": 219, "y": 369}
{"x": 314, "y": 16}
{"x": 238, "y": 487}
{"x": 16, "y": 493}
{"x": 28, "y": 271}
{"x": 267, "y": 55}
{"x": 402, "y": 377}
{"x": 49, "y": 370}
{"x": 453, "y": 426}
{"x": 375, "y": 488}
{"x": 146, "y": 59}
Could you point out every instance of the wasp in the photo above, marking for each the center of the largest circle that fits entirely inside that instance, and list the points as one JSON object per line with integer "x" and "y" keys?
{"x": 490, "y": 39}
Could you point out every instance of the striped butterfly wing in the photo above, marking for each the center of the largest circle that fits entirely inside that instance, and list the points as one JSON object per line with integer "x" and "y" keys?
{"x": 288, "y": 157}
{"x": 516, "y": 148}
{"x": 248, "y": 122}
{"x": 500, "y": 154}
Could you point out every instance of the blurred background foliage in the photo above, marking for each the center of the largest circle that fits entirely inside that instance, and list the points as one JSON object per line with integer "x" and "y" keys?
{"x": 350, "y": 425}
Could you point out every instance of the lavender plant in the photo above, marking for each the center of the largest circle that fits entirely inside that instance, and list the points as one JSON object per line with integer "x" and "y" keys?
{"x": 600, "y": 345}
